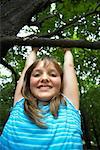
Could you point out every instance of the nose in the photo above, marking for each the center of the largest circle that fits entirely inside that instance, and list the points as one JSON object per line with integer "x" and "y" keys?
{"x": 44, "y": 78}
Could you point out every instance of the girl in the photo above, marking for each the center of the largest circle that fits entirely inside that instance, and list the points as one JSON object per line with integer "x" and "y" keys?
{"x": 45, "y": 115}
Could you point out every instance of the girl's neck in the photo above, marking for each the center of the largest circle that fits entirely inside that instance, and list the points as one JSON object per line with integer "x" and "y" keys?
{"x": 43, "y": 102}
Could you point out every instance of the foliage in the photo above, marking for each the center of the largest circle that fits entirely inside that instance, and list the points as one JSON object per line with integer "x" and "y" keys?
{"x": 91, "y": 104}
{"x": 6, "y": 96}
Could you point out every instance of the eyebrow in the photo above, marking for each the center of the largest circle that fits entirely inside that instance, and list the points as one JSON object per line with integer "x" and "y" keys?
{"x": 50, "y": 70}
{"x": 36, "y": 70}
{"x": 53, "y": 70}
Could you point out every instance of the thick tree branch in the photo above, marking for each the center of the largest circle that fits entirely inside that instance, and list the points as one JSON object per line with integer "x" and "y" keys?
{"x": 38, "y": 42}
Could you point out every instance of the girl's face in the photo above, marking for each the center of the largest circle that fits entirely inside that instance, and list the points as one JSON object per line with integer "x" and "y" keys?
{"x": 45, "y": 81}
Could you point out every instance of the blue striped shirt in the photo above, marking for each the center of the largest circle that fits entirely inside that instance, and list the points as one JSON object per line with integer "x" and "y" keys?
{"x": 63, "y": 133}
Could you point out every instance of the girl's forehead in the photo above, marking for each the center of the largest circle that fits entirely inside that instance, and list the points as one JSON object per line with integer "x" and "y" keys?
{"x": 45, "y": 64}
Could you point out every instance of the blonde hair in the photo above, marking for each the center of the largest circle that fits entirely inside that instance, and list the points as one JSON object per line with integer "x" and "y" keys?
{"x": 31, "y": 103}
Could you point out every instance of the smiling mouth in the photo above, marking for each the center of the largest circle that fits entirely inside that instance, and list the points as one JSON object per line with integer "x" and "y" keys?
{"x": 45, "y": 87}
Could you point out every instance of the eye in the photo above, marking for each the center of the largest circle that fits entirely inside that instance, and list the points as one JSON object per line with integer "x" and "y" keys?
{"x": 36, "y": 74}
{"x": 53, "y": 75}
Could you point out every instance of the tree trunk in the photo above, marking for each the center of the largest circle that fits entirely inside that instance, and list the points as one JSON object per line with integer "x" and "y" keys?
{"x": 17, "y": 13}
{"x": 95, "y": 134}
{"x": 86, "y": 130}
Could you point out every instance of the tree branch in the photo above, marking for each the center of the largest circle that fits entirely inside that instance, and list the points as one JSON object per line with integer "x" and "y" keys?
{"x": 39, "y": 22}
{"x": 38, "y": 42}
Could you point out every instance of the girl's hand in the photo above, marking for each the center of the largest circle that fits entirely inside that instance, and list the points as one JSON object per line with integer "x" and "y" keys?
{"x": 66, "y": 49}
{"x": 35, "y": 49}
{"x": 31, "y": 57}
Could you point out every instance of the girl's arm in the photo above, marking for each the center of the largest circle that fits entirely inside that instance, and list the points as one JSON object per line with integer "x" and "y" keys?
{"x": 70, "y": 80}
{"x": 29, "y": 61}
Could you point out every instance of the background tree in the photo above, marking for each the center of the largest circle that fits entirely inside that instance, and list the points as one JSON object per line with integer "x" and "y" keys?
{"x": 28, "y": 23}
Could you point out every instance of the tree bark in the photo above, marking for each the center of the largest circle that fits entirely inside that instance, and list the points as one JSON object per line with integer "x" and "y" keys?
{"x": 15, "y": 14}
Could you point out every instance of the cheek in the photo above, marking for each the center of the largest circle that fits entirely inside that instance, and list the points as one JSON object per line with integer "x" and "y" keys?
{"x": 57, "y": 83}
{"x": 33, "y": 81}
